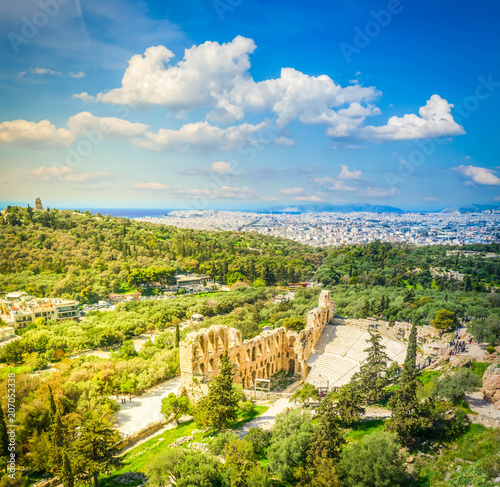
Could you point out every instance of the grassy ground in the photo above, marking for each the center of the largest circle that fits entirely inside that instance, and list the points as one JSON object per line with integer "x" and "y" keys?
{"x": 137, "y": 459}
{"x": 361, "y": 429}
{"x": 476, "y": 444}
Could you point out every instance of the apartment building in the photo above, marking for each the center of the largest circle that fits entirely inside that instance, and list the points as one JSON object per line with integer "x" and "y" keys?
{"x": 24, "y": 309}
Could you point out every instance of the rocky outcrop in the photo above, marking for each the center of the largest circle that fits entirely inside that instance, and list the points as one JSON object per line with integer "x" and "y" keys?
{"x": 38, "y": 204}
{"x": 491, "y": 384}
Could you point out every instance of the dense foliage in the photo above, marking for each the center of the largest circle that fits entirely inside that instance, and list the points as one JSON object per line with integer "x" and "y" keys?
{"x": 85, "y": 257}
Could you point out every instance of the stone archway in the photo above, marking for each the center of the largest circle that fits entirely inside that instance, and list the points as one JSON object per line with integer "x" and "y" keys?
{"x": 291, "y": 367}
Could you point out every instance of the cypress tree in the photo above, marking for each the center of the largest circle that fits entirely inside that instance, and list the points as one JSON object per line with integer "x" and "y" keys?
{"x": 405, "y": 418}
{"x": 327, "y": 439}
{"x": 177, "y": 335}
{"x": 4, "y": 437}
{"x": 67, "y": 477}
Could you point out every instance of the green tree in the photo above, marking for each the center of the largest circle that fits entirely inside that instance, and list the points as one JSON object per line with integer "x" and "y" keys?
{"x": 327, "y": 439}
{"x": 305, "y": 394}
{"x": 4, "y": 437}
{"x": 290, "y": 440}
{"x": 198, "y": 470}
{"x": 94, "y": 448}
{"x": 240, "y": 460}
{"x": 177, "y": 335}
{"x": 346, "y": 404}
{"x": 259, "y": 439}
{"x": 220, "y": 405}
{"x": 404, "y": 404}
{"x": 163, "y": 467}
{"x": 294, "y": 324}
{"x": 444, "y": 319}
{"x": 486, "y": 330}
{"x": 173, "y": 407}
{"x": 66, "y": 474}
{"x": 372, "y": 375}
{"x": 454, "y": 386}
{"x": 375, "y": 461}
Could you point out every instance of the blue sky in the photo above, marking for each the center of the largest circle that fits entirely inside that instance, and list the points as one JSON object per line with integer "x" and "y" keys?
{"x": 249, "y": 104}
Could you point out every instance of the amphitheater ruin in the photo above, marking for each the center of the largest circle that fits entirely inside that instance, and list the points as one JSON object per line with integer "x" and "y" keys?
{"x": 321, "y": 353}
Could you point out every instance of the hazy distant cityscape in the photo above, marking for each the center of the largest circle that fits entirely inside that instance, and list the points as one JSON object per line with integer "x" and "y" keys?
{"x": 336, "y": 229}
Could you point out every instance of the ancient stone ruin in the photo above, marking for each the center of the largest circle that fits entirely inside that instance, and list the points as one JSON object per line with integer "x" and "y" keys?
{"x": 258, "y": 358}
{"x": 38, "y": 204}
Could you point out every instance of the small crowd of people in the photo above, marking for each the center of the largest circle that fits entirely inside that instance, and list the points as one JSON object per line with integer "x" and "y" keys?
{"x": 459, "y": 346}
{"x": 123, "y": 400}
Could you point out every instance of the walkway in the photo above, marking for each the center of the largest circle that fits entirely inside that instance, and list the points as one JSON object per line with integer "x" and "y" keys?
{"x": 266, "y": 420}
{"x": 480, "y": 406}
{"x": 145, "y": 409}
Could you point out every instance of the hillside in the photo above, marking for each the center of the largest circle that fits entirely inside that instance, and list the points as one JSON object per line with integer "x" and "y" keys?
{"x": 85, "y": 257}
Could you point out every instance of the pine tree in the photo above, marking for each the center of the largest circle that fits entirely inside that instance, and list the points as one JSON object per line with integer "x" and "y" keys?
{"x": 219, "y": 406}
{"x": 372, "y": 375}
{"x": 177, "y": 335}
{"x": 404, "y": 405}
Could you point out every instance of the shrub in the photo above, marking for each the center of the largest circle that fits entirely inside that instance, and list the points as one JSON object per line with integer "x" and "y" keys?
{"x": 259, "y": 439}
{"x": 220, "y": 441}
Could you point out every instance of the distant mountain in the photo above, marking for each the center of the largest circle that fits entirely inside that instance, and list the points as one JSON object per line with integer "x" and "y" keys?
{"x": 349, "y": 208}
{"x": 470, "y": 208}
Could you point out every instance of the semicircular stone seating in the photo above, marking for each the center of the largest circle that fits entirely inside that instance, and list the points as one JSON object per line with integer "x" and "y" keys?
{"x": 339, "y": 354}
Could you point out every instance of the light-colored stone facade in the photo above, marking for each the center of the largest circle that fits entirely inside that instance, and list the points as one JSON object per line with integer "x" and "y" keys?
{"x": 258, "y": 358}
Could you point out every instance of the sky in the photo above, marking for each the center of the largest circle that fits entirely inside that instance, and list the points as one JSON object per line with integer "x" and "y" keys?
{"x": 243, "y": 104}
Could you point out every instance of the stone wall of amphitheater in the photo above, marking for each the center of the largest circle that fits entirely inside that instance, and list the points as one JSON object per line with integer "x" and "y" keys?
{"x": 258, "y": 358}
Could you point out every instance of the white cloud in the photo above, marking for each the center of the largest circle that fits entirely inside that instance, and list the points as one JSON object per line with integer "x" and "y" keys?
{"x": 479, "y": 175}
{"x": 223, "y": 167}
{"x": 430, "y": 198}
{"x": 200, "y": 136}
{"x": 43, "y": 71}
{"x": 296, "y": 190}
{"x": 85, "y": 97}
{"x": 216, "y": 76}
{"x": 43, "y": 132}
{"x": 196, "y": 81}
{"x": 84, "y": 122}
{"x": 153, "y": 186}
{"x": 378, "y": 192}
{"x": 435, "y": 120}
{"x": 307, "y": 198}
{"x": 68, "y": 174}
{"x": 78, "y": 75}
{"x": 334, "y": 184}
{"x": 284, "y": 141}
{"x": 345, "y": 173}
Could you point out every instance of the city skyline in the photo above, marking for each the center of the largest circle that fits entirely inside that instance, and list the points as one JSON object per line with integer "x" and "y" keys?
{"x": 244, "y": 105}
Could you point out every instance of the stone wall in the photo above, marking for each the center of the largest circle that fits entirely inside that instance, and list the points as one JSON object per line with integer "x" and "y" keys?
{"x": 258, "y": 358}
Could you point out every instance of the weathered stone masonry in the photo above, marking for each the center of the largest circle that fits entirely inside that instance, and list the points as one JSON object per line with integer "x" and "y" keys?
{"x": 258, "y": 358}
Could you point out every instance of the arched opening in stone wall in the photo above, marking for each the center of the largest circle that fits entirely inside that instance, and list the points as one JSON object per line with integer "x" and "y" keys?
{"x": 222, "y": 340}
{"x": 203, "y": 344}
{"x": 276, "y": 342}
{"x": 248, "y": 355}
{"x": 291, "y": 342}
{"x": 211, "y": 342}
{"x": 260, "y": 349}
{"x": 291, "y": 367}
{"x": 202, "y": 369}
{"x": 268, "y": 370}
{"x": 253, "y": 378}
{"x": 253, "y": 354}
{"x": 238, "y": 359}
{"x": 268, "y": 346}
{"x": 211, "y": 365}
